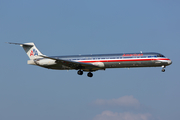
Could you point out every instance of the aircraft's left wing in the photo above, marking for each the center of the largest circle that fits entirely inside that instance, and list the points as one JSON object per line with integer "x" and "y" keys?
{"x": 74, "y": 64}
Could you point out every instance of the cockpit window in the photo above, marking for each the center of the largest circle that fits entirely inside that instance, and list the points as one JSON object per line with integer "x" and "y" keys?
{"x": 160, "y": 55}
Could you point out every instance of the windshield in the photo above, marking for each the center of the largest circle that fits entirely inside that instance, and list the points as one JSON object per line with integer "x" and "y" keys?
{"x": 160, "y": 55}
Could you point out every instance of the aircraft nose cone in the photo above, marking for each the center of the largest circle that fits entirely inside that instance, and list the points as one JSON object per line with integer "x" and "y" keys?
{"x": 169, "y": 62}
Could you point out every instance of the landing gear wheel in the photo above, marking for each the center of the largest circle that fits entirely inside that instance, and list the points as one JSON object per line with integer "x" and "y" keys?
{"x": 163, "y": 70}
{"x": 89, "y": 74}
{"x": 80, "y": 72}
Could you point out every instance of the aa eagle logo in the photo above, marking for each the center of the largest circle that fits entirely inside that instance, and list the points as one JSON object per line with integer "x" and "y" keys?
{"x": 33, "y": 52}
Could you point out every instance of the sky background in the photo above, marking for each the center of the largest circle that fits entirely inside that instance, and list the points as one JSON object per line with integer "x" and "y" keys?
{"x": 71, "y": 27}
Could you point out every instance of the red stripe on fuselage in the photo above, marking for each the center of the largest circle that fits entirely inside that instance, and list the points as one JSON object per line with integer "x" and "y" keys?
{"x": 124, "y": 60}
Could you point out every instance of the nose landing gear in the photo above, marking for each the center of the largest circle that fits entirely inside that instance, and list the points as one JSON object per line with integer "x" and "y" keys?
{"x": 163, "y": 70}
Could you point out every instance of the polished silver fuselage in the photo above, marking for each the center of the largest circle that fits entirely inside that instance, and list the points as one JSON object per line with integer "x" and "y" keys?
{"x": 125, "y": 60}
{"x": 91, "y": 63}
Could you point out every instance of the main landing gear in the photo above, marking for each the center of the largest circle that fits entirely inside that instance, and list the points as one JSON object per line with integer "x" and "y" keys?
{"x": 163, "y": 70}
{"x": 80, "y": 72}
{"x": 89, "y": 74}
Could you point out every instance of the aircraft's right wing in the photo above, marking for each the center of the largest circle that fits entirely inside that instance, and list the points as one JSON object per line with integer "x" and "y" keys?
{"x": 74, "y": 65}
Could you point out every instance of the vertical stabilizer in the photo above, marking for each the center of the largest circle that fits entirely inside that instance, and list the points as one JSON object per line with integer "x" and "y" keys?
{"x": 30, "y": 49}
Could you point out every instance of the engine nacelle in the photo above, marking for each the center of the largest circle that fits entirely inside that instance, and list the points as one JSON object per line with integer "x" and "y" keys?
{"x": 99, "y": 64}
{"x": 45, "y": 62}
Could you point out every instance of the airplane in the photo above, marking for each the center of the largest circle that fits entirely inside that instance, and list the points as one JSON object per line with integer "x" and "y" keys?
{"x": 92, "y": 63}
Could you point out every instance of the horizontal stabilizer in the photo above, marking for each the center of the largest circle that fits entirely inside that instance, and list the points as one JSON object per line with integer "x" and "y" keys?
{"x": 21, "y": 44}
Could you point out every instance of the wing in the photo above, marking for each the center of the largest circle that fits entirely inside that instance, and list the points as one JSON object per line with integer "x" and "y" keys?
{"x": 74, "y": 64}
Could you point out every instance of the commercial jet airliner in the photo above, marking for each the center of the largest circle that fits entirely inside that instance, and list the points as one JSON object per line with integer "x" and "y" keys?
{"x": 91, "y": 63}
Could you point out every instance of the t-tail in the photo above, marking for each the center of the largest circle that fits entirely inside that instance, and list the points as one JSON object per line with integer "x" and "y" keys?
{"x": 30, "y": 49}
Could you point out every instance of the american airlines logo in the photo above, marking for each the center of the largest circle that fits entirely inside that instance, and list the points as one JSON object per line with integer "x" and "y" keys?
{"x": 33, "y": 52}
